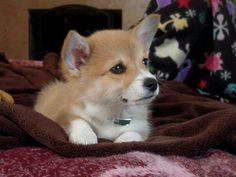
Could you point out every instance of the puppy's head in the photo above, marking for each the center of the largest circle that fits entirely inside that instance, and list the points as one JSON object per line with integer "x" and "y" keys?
{"x": 111, "y": 65}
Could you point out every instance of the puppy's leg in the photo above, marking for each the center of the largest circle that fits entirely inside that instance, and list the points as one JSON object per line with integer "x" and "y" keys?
{"x": 128, "y": 137}
{"x": 80, "y": 132}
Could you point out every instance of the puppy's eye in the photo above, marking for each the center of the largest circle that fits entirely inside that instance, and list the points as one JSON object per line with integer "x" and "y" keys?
{"x": 145, "y": 61}
{"x": 118, "y": 69}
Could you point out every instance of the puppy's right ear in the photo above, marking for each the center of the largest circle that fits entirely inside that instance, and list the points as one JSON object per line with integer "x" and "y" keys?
{"x": 147, "y": 29}
{"x": 75, "y": 52}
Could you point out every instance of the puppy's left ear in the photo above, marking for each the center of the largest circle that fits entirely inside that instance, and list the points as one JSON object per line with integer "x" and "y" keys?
{"x": 147, "y": 29}
{"x": 75, "y": 52}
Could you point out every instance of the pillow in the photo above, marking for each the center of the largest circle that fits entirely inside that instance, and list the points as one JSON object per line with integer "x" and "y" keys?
{"x": 196, "y": 43}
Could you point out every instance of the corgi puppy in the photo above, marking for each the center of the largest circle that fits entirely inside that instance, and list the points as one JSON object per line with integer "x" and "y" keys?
{"x": 107, "y": 86}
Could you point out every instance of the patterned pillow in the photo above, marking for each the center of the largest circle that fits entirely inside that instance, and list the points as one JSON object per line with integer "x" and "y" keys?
{"x": 196, "y": 43}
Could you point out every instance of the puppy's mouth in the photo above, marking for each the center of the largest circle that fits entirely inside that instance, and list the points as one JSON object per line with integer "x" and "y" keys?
{"x": 125, "y": 100}
{"x": 144, "y": 98}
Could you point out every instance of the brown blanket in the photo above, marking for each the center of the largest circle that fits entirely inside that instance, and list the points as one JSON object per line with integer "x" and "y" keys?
{"x": 184, "y": 123}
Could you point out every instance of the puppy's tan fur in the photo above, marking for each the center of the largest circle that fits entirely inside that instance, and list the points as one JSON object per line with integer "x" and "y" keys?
{"x": 92, "y": 94}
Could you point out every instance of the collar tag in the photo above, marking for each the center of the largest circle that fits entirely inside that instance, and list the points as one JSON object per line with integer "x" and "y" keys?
{"x": 122, "y": 121}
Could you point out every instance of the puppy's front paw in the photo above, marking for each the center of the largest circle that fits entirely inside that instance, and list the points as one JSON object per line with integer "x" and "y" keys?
{"x": 85, "y": 137}
{"x": 128, "y": 137}
{"x": 80, "y": 132}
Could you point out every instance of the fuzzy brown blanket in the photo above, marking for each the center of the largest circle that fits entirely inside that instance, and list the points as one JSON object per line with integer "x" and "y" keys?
{"x": 184, "y": 122}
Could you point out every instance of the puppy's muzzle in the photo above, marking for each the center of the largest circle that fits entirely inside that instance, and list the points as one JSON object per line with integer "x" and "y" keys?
{"x": 150, "y": 84}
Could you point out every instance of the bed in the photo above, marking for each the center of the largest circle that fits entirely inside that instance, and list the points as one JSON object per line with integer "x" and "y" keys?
{"x": 192, "y": 135}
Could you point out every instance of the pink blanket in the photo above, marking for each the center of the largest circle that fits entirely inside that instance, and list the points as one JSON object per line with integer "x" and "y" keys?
{"x": 43, "y": 162}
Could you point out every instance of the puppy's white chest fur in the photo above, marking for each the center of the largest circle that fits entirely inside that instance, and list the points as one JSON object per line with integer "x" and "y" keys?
{"x": 103, "y": 119}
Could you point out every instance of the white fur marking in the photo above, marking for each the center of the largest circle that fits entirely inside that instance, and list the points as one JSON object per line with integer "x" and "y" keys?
{"x": 128, "y": 137}
{"x": 80, "y": 132}
{"x": 136, "y": 90}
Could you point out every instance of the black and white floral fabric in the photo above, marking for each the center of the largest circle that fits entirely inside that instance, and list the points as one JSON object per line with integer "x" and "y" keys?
{"x": 196, "y": 43}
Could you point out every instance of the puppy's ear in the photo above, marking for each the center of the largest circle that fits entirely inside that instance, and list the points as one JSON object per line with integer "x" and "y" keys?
{"x": 147, "y": 29}
{"x": 75, "y": 52}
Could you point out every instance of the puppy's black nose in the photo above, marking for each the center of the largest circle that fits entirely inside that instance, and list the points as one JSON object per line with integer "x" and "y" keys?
{"x": 150, "y": 84}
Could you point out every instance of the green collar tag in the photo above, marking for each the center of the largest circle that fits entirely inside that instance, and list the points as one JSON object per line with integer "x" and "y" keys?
{"x": 122, "y": 122}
